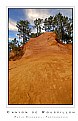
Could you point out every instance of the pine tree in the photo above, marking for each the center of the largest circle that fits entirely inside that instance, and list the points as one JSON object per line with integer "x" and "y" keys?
{"x": 14, "y": 46}
{"x": 46, "y": 25}
{"x": 38, "y": 23}
{"x": 24, "y": 30}
{"x": 63, "y": 27}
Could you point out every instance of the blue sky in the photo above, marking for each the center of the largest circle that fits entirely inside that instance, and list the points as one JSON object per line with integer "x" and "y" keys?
{"x": 17, "y": 14}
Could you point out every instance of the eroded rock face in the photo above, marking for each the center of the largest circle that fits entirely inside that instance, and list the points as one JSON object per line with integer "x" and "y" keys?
{"x": 44, "y": 74}
{"x": 40, "y": 44}
{"x": 11, "y": 54}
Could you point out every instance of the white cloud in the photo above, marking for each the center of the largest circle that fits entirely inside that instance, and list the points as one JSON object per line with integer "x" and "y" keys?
{"x": 33, "y": 30}
{"x": 32, "y": 14}
{"x": 10, "y": 39}
{"x": 12, "y": 25}
{"x": 65, "y": 12}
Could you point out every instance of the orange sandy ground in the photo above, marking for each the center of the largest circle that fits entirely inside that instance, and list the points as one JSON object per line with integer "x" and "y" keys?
{"x": 44, "y": 76}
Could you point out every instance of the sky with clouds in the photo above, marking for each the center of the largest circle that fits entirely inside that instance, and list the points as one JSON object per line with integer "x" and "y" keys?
{"x": 17, "y": 14}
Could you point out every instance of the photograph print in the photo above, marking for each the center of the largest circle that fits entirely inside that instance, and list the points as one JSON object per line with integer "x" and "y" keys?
{"x": 40, "y": 56}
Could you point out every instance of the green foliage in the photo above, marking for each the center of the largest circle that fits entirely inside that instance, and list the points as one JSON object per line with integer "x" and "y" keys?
{"x": 48, "y": 24}
{"x": 38, "y": 23}
{"x": 13, "y": 44}
{"x": 62, "y": 25}
{"x": 24, "y": 30}
{"x": 15, "y": 48}
{"x": 33, "y": 35}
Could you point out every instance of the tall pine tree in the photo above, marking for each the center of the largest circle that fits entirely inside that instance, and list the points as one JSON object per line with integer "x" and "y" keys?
{"x": 24, "y": 30}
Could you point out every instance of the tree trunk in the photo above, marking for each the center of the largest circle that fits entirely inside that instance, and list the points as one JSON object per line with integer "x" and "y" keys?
{"x": 37, "y": 31}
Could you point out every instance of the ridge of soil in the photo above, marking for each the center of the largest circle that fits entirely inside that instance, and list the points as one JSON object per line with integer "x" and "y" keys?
{"x": 44, "y": 74}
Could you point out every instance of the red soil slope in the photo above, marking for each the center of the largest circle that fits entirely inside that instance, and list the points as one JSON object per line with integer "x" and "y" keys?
{"x": 44, "y": 43}
{"x": 44, "y": 74}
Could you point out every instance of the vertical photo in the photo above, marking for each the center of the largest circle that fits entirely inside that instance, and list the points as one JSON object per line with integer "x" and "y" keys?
{"x": 40, "y": 56}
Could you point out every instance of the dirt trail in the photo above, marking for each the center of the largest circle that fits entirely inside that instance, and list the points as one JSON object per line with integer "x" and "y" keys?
{"x": 43, "y": 75}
